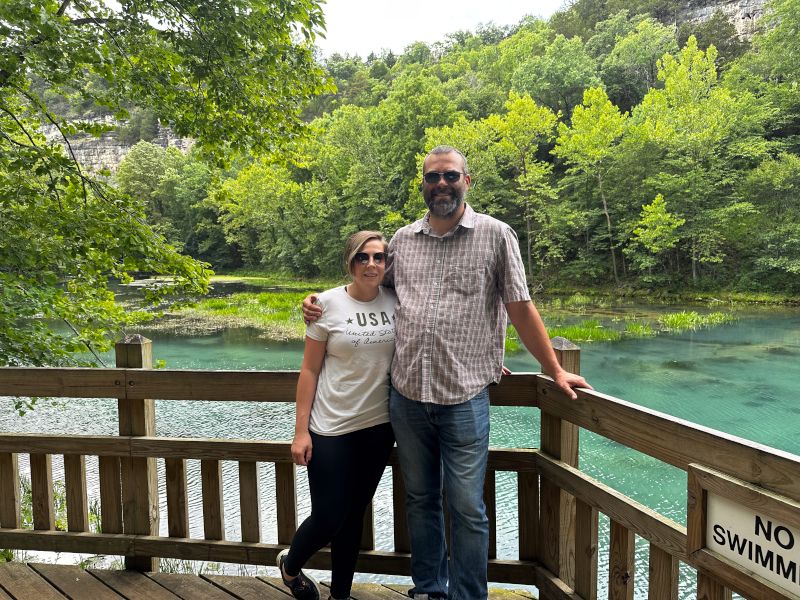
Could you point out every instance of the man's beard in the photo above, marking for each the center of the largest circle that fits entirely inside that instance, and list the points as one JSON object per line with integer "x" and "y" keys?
{"x": 444, "y": 208}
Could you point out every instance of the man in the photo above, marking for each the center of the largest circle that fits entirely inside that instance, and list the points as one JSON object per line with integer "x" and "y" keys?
{"x": 457, "y": 274}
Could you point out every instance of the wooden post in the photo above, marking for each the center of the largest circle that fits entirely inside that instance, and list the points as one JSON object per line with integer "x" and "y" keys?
{"x": 139, "y": 476}
{"x": 560, "y": 440}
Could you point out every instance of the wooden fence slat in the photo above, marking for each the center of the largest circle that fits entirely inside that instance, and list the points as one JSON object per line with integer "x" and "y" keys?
{"x": 249, "y": 504}
{"x": 286, "y": 501}
{"x": 402, "y": 543}
{"x": 177, "y": 501}
{"x": 709, "y": 588}
{"x": 663, "y": 573}
{"x": 490, "y": 500}
{"x": 75, "y": 483}
{"x": 9, "y": 490}
{"x": 368, "y": 528}
{"x": 110, "y": 471}
{"x": 586, "y": 530}
{"x": 549, "y": 544}
{"x": 528, "y": 514}
{"x": 42, "y": 491}
{"x": 213, "y": 511}
{"x": 621, "y": 563}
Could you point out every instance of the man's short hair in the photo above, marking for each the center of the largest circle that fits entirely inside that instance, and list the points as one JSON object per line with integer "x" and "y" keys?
{"x": 444, "y": 149}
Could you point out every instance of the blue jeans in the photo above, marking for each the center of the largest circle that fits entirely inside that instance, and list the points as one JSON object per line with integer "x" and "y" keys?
{"x": 445, "y": 444}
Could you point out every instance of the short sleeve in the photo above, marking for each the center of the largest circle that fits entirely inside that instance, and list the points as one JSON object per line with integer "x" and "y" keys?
{"x": 318, "y": 330}
{"x": 512, "y": 282}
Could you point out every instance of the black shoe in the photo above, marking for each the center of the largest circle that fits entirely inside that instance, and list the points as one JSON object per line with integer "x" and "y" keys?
{"x": 302, "y": 587}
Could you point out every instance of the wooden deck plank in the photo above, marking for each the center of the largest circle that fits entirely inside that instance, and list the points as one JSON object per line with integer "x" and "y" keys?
{"x": 133, "y": 585}
{"x": 402, "y": 590}
{"x": 74, "y": 582}
{"x": 369, "y": 591}
{"x": 23, "y": 582}
{"x": 190, "y": 587}
{"x": 54, "y": 582}
{"x": 247, "y": 588}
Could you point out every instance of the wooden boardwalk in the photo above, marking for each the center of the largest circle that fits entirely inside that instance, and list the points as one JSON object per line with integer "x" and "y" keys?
{"x": 33, "y": 581}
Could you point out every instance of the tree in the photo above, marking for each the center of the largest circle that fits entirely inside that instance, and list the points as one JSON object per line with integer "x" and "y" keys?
{"x": 774, "y": 232}
{"x": 707, "y": 139}
{"x": 558, "y": 78}
{"x": 630, "y": 69}
{"x": 588, "y": 146}
{"x": 655, "y": 233}
{"x": 718, "y": 31}
{"x": 231, "y": 75}
{"x": 523, "y": 131}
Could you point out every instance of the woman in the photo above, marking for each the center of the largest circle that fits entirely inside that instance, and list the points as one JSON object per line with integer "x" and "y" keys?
{"x": 342, "y": 430}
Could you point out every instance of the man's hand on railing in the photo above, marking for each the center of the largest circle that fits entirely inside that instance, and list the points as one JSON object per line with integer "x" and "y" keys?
{"x": 566, "y": 381}
{"x": 301, "y": 448}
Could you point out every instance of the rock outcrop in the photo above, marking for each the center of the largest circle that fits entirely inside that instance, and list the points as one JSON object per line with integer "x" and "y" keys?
{"x": 107, "y": 151}
{"x": 744, "y": 14}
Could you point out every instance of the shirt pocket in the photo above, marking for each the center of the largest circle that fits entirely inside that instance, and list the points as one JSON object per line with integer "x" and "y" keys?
{"x": 465, "y": 279}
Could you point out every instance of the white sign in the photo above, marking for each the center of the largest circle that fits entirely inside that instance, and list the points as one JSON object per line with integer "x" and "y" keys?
{"x": 756, "y": 542}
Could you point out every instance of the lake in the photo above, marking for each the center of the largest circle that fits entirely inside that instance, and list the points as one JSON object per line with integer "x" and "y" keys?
{"x": 742, "y": 378}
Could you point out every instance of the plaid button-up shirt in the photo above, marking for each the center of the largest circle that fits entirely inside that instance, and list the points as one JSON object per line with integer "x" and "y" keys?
{"x": 450, "y": 317}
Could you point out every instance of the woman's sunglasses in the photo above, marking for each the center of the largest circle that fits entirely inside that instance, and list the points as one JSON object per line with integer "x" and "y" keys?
{"x": 362, "y": 258}
{"x": 435, "y": 176}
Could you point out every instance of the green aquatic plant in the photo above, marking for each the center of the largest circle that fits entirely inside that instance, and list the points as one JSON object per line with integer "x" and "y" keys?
{"x": 691, "y": 320}
{"x": 577, "y": 300}
{"x": 637, "y": 329}
{"x": 589, "y": 330}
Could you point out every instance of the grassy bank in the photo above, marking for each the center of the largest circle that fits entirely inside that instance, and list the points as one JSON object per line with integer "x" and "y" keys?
{"x": 273, "y": 308}
{"x": 271, "y": 305}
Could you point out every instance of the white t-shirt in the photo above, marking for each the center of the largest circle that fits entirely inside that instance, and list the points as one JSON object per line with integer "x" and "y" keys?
{"x": 353, "y": 386}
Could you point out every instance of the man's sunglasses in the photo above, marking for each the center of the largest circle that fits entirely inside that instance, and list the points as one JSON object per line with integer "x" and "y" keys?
{"x": 362, "y": 258}
{"x": 435, "y": 176}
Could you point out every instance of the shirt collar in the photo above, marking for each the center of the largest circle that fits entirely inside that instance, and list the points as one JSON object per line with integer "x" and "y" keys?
{"x": 467, "y": 221}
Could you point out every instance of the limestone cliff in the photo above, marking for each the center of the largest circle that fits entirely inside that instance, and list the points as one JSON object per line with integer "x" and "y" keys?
{"x": 744, "y": 14}
{"x": 108, "y": 150}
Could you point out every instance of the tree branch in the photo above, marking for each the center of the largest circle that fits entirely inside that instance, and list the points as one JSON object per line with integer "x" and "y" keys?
{"x": 63, "y": 8}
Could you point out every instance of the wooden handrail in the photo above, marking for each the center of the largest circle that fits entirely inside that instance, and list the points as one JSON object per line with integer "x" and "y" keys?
{"x": 220, "y": 386}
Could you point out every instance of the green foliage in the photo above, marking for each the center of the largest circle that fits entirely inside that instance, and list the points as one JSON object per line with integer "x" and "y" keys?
{"x": 557, "y": 78}
{"x": 630, "y": 68}
{"x": 636, "y": 329}
{"x": 59, "y": 504}
{"x": 717, "y": 31}
{"x": 277, "y": 314}
{"x": 691, "y": 320}
{"x": 590, "y": 330}
{"x": 230, "y": 75}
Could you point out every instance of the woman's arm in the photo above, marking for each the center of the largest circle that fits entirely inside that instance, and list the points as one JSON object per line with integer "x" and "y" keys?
{"x": 313, "y": 355}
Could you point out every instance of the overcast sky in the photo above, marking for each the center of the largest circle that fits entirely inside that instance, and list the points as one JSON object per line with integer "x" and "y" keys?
{"x": 364, "y": 26}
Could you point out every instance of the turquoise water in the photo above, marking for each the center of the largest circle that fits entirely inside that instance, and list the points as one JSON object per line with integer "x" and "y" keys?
{"x": 742, "y": 378}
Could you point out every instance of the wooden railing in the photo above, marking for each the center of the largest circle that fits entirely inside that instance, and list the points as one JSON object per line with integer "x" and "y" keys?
{"x": 558, "y": 506}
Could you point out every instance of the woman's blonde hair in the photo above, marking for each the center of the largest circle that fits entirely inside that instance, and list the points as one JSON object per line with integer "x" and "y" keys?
{"x": 356, "y": 242}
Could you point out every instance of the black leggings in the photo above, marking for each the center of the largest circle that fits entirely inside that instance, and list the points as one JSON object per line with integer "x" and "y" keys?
{"x": 342, "y": 476}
